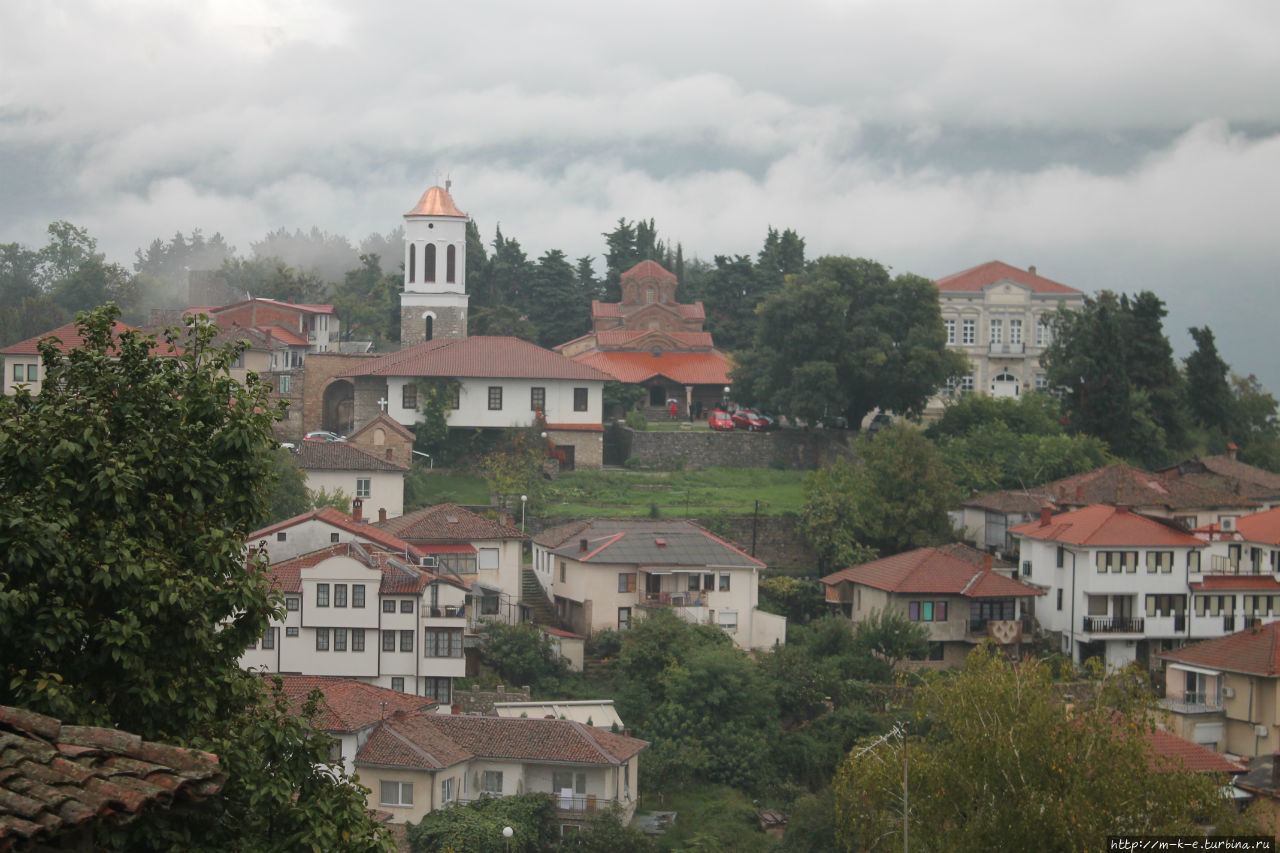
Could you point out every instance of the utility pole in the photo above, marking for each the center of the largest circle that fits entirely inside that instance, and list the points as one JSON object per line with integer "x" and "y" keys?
{"x": 754, "y": 519}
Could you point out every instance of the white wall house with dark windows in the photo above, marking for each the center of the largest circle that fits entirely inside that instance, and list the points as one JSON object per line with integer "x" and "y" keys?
{"x": 362, "y": 611}
{"x": 337, "y": 466}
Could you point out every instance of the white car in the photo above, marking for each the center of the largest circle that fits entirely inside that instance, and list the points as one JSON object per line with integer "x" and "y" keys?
{"x": 324, "y": 435}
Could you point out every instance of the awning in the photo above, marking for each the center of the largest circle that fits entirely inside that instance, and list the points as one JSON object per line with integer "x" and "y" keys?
{"x": 1197, "y": 669}
{"x": 446, "y": 549}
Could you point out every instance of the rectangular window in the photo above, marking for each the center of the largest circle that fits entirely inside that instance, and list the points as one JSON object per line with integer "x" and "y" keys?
{"x": 1015, "y": 331}
{"x": 1160, "y": 561}
{"x": 626, "y": 581}
{"x": 406, "y": 641}
{"x": 446, "y": 790}
{"x": 1044, "y": 333}
{"x": 1040, "y": 382}
{"x": 913, "y": 611}
{"x": 409, "y": 396}
{"x": 565, "y": 780}
{"x": 322, "y": 639}
{"x": 339, "y": 595}
{"x": 282, "y": 536}
{"x": 579, "y": 399}
{"x": 1059, "y": 599}
{"x": 1062, "y": 556}
{"x": 357, "y": 595}
{"x": 388, "y": 641}
{"x": 951, "y": 331}
{"x": 695, "y": 583}
{"x": 996, "y": 328}
{"x": 269, "y": 639}
{"x": 357, "y": 639}
{"x": 562, "y": 571}
{"x": 455, "y": 398}
{"x": 966, "y": 385}
{"x": 339, "y": 639}
{"x": 396, "y": 793}
{"x": 939, "y": 611}
{"x": 291, "y": 632}
{"x": 291, "y": 603}
{"x": 1193, "y": 561}
{"x": 727, "y": 620}
{"x": 495, "y": 398}
{"x": 397, "y": 684}
{"x": 363, "y": 486}
{"x": 439, "y": 689}
{"x": 488, "y": 559}
{"x": 388, "y": 605}
{"x": 406, "y": 605}
{"x": 285, "y": 384}
{"x": 926, "y": 611}
{"x": 492, "y": 782}
{"x": 968, "y": 331}
{"x": 322, "y": 595}
{"x": 17, "y": 372}
{"x": 442, "y": 642}
{"x": 708, "y": 582}
{"x": 538, "y": 400}
{"x": 724, "y": 582}
{"x": 490, "y": 605}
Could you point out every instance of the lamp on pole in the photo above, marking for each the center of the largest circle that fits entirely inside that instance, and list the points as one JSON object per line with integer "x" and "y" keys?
{"x": 507, "y": 832}
{"x": 524, "y": 499}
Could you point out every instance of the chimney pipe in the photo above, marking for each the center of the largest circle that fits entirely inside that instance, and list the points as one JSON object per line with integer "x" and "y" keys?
{"x": 582, "y": 545}
{"x": 1046, "y": 513}
{"x": 1032, "y": 269}
{"x": 382, "y": 514}
{"x": 986, "y": 562}
{"x": 357, "y": 509}
{"x": 1232, "y": 450}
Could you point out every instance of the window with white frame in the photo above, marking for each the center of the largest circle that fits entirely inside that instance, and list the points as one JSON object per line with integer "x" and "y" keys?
{"x": 286, "y": 384}
{"x": 1015, "y": 331}
{"x": 724, "y": 581}
{"x": 446, "y": 790}
{"x": 1040, "y": 382}
{"x": 492, "y": 783}
{"x": 996, "y": 329}
{"x": 396, "y": 794}
{"x": 966, "y": 385}
{"x": 1044, "y": 333}
{"x": 968, "y": 331}
{"x": 951, "y": 330}
{"x": 488, "y": 559}
{"x": 363, "y": 486}
{"x": 727, "y": 620}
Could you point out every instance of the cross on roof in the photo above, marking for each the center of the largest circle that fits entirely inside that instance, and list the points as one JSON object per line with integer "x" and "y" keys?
{"x": 383, "y": 403}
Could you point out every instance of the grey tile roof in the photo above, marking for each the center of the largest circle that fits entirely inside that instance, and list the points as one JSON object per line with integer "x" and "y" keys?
{"x": 670, "y": 542}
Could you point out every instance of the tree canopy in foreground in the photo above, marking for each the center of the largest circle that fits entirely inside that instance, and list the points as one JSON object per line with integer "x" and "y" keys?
{"x": 127, "y": 595}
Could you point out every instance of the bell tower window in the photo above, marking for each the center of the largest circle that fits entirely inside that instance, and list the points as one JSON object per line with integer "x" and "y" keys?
{"x": 430, "y": 326}
{"x": 429, "y": 262}
{"x": 450, "y": 264}
{"x": 413, "y": 259}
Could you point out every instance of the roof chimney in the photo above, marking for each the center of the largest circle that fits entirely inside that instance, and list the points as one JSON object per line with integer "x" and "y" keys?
{"x": 1232, "y": 450}
{"x": 382, "y": 514}
{"x": 582, "y": 545}
{"x": 1121, "y": 509}
{"x": 357, "y": 509}
{"x": 1032, "y": 269}
{"x": 1046, "y": 513}
{"x": 986, "y": 562}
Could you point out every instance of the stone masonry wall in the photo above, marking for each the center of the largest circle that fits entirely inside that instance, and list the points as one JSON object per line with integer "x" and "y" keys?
{"x": 320, "y": 370}
{"x": 450, "y": 323}
{"x": 791, "y": 449}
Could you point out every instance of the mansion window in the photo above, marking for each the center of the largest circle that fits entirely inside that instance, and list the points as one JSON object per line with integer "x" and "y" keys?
{"x": 1117, "y": 561}
{"x": 388, "y": 641}
{"x": 996, "y": 328}
{"x": 492, "y": 782}
{"x": 363, "y": 487}
{"x": 627, "y": 581}
{"x": 1015, "y": 331}
{"x": 579, "y": 399}
{"x": 292, "y": 603}
{"x": 388, "y": 605}
{"x": 966, "y": 385}
{"x": 1193, "y": 561}
{"x": 998, "y": 609}
{"x": 495, "y": 398}
{"x": 968, "y": 331}
{"x": 538, "y": 400}
{"x": 339, "y": 595}
{"x": 927, "y": 611}
{"x": 269, "y": 638}
{"x": 322, "y": 639}
{"x": 397, "y": 684}
{"x": 409, "y": 396}
{"x": 339, "y": 639}
{"x": 442, "y": 642}
{"x": 951, "y": 331}
{"x": 1044, "y": 333}
{"x": 1254, "y": 605}
{"x": 357, "y": 639}
{"x": 1040, "y": 382}
{"x": 285, "y": 384}
{"x": 1215, "y": 605}
{"x": 322, "y": 595}
{"x": 357, "y": 595}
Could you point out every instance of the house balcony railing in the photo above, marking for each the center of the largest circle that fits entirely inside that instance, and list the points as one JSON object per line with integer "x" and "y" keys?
{"x": 673, "y": 599}
{"x": 1007, "y": 349}
{"x": 1193, "y": 702}
{"x": 1113, "y": 624}
{"x": 579, "y": 805}
{"x": 1229, "y": 622}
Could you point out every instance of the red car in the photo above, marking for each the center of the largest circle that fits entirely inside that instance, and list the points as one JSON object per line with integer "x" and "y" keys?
{"x": 719, "y": 419}
{"x": 751, "y": 419}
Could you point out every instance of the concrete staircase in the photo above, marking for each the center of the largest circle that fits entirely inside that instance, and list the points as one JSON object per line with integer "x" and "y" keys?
{"x": 534, "y": 597}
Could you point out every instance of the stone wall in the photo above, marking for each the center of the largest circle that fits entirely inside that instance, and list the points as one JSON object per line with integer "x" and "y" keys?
{"x": 321, "y": 370}
{"x": 450, "y": 322}
{"x": 799, "y": 450}
{"x": 778, "y": 543}
{"x": 477, "y": 701}
{"x": 587, "y": 447}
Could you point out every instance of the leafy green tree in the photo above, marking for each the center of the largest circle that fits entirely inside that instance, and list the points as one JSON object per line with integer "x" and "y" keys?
{"x": 514, "y": 467}
{"x": 337, "y": 499}
{"x": 908, "y": 490}
{"x": 995, "y": 759}
{"x": 169, "y": 261}
{"x": 843, "y": 339}
{"x": 476, "y": 827}
{"x": 369, "y": 304}
{"x": 1255, "y": 427}
{"x": 606, "y": 833}
{"x": 833, "y": 520}
{"x": 131, "y": 481}
{"x": 271, "y": 278}
{"x": 649, "y": 648}
{"x": 891, "y": 636}
{"x": 620, "y": 255}
{"x": 289, "y": 497}
{"x": 588, "y": 284}
{"x": 435, "y": 402}
{"x": 798, "y": 599}
{"x": 1208, "y": 390}
{"x": 1030, "y": 414}
{"x": 558, "y": 306}
{"x": 993, "y": 456}
{"x": 523, "y": 655}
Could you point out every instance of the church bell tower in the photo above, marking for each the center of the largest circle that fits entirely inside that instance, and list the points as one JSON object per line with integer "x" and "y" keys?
{"x": 433, "y": 301}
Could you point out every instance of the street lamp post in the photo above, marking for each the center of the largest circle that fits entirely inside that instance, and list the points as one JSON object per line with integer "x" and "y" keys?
{"x": 524, "y": 499}
{"x": 507, "y": 832}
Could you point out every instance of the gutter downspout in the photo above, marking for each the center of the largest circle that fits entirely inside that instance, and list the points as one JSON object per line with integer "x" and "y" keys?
{"x": 1251, "y": 722}
{"x": 1071, "y": 631}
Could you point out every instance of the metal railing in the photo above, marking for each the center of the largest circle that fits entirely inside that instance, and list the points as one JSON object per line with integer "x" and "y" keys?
{"x": 1113, "y": 624}
{"x": 674, "y": 599}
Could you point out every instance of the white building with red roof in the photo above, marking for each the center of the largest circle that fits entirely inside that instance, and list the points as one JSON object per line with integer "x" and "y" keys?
{"x": 24, "y": 367}
{"x": 320, "y": 528}
{"x": 362, "y": 611}
{"x": 377, "y": 481}
{"x": 419, "y": 762}
{"x": 1125, "y": 586}
{"x": 1000, "y": 317}
{"x": 959, "y": 594}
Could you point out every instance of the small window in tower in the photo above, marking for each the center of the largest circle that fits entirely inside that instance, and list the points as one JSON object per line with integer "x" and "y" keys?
{"x": 429, "y": 262}
{"x": 450, "y": 264}
{"x": 413, "y": 261}
{"x": 430, "y": 329}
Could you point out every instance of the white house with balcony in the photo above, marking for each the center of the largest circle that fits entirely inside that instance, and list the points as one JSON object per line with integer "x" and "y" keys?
{"x": 363, "y": 611}
{"x": 1001, "y": 318}
{"x": 417, "y": 763}
{"x": 607, "y": 573}
{"x": 1125, "y": 586}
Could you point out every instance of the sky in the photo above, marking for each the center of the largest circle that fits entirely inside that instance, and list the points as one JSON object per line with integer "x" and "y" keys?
{"x": 1114, "y": 145}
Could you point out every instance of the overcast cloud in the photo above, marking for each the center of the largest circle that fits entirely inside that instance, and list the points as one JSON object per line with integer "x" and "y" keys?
{"x": 1118, "y": 145}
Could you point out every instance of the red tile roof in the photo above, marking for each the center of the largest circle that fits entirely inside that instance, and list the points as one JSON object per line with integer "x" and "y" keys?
{"x": 382, "y": 419}
{"x": 618, "y": 310}
{"x": 284, "y": 336}
{"x": 576, "y": 427}
{"x": 684, "y": 368}
{"x": 436, "y": 202}
{"x": 568, "y": 635}
{"x": 1255, "y": 651}
{"x": 447, "y": 522}
{"x": 341, "y": 456}
{"x": 68, "y": 338}
{"x": 1170, "y": 753}
{"x": 950, "y": 570}
{"x": 1261, "y": 583}
{"x": 976, "y": 278}
{"x": 1263, "y": 527}
{"x": 55, "y": 778}
{"x": 634, "y": 338}
{"x": 348, "y": 705}
{"x": 1019, "y": 500}
{"x": 399, "y": 577}
{"x": 435, "y": 741}
{"x": 1099, "y": 526}
{"x": 344, "y": 522}
{"x": 665, "y": 542}
{"x": 1235, "y": 472}
{"x": 648, "y": 269}
{"x": 1124, "y": 484}
{"x": 478, "y": 357}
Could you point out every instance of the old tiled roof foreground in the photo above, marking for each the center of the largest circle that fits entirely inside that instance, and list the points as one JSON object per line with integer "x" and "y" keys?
{"x": 1255, "y": 651}
{"x": 55, "y": 778}
{"x": 348, "y": 705}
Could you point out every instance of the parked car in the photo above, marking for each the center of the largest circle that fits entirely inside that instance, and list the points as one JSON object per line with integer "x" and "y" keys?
{"x": 752, "y": 419}
{"x": 324, "y": 435}
{"x": 879, "y": 422}
{"x": 719, "y": 419}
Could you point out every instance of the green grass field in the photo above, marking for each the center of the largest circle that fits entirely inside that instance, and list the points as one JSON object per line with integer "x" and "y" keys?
{"x": 698, "y": 494}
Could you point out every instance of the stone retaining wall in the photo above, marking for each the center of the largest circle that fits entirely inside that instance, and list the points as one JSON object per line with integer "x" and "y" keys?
{"x": 790, "y": 449}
